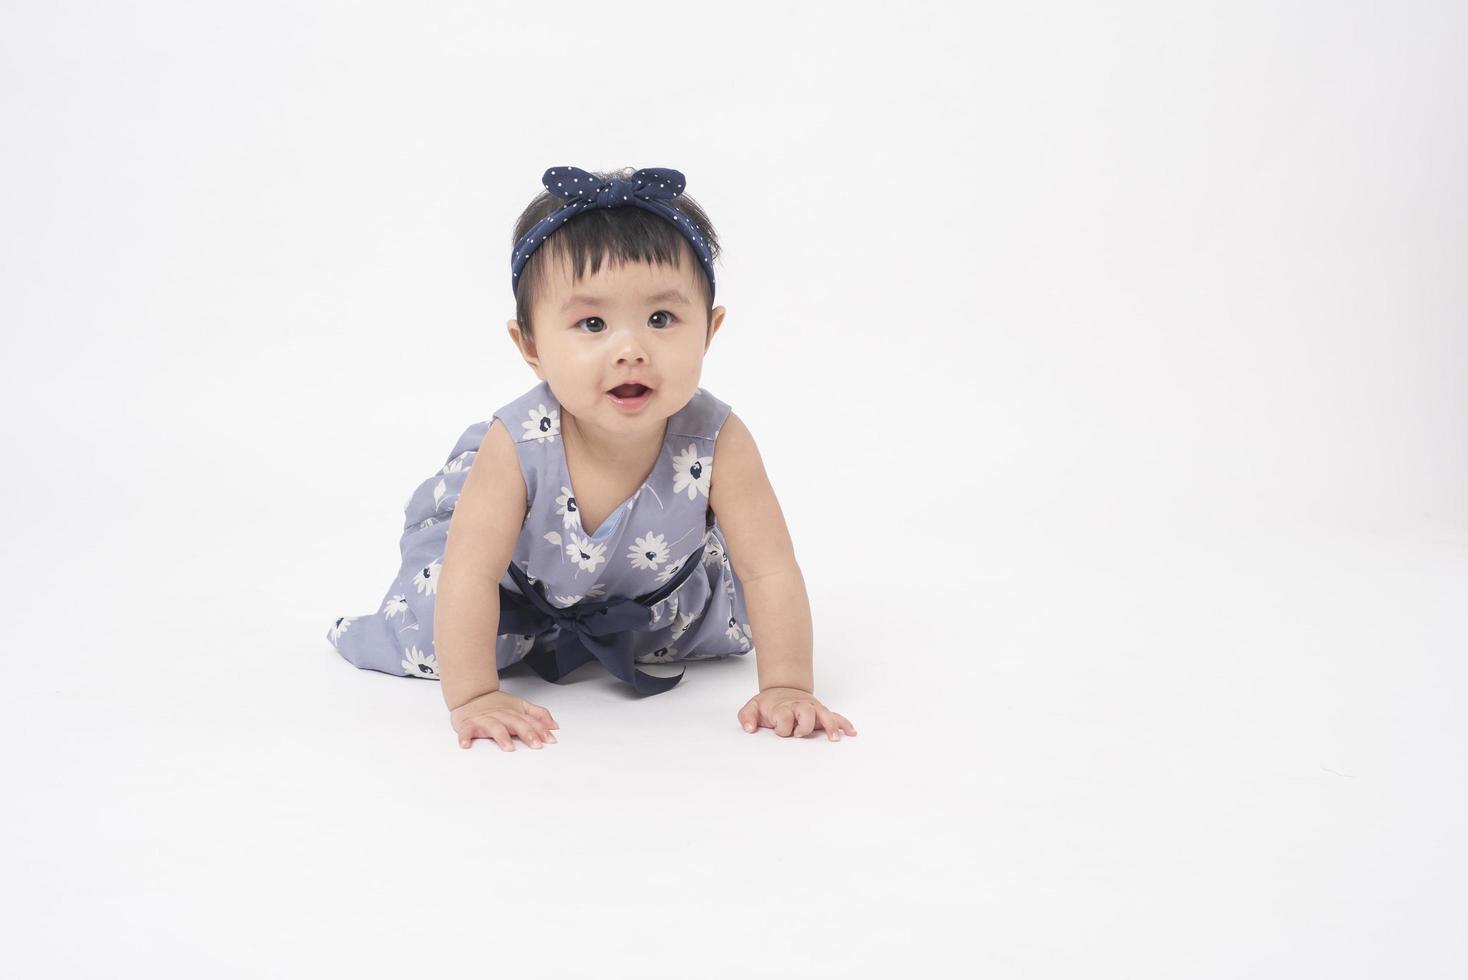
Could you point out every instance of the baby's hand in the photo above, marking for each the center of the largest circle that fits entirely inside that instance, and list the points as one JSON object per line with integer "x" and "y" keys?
{"x": 791, "y": 711}
{"x": 498, "y": 715}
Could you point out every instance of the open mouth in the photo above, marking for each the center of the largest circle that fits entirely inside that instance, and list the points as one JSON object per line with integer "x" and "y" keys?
{"x": 629, "y": 391}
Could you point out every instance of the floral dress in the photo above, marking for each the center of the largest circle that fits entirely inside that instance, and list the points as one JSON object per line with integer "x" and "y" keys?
{"x": 653, "y": 585}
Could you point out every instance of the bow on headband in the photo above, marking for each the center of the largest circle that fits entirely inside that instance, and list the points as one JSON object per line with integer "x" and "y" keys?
{"x": 648, "y": 188}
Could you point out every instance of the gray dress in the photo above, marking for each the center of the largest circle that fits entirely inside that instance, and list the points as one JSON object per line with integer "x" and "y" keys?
{"x": 653, "y": 585}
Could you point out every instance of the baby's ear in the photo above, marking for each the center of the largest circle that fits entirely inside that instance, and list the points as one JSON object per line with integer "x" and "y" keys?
{"x": 525, "y": 344}
{"x": 716, "y": 320}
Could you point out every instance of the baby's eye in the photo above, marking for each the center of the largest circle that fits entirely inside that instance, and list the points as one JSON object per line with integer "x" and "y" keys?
{"x": 652, "y": 320}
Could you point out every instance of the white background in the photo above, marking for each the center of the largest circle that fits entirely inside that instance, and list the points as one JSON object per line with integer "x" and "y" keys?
{"x": 1109, "y": 365}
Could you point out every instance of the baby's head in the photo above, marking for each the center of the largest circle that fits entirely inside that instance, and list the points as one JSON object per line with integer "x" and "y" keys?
{"x": 616, "y": 294}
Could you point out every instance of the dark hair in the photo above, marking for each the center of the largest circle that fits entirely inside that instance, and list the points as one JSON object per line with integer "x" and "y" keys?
{"x": 615, "y": 234}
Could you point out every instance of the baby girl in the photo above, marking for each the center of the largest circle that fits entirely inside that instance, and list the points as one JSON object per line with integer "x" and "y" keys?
{"x": 587, "y": 522}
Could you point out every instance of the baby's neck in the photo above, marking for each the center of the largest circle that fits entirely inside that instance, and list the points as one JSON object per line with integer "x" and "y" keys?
{"x": 614, "y": 450}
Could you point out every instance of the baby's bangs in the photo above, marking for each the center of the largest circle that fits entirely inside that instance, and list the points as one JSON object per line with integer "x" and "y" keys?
{"x": 615, "y": 236}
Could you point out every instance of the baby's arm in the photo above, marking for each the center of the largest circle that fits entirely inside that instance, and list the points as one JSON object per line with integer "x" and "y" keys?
{"x": 481, "y": 543}
{"x": 763, "y": 557}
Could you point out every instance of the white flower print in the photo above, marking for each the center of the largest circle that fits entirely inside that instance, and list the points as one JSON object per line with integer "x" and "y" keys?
{"x": 420, "y": 664}
{"x": 457, "y": 463}
{"x": 426, "y": 581}
{"x": 684, "y": 622}
{"x": 342, "y": 624}
{"x": 438, "y": 492}
{"x": 648, "y": 552}
{"x": 662, "y": 655}
{"x": 586, "y": 553}
{"x": 543, "y": 426}
{"x": 671, "y": 570}
{"x": 427, "y": 522}
{"x": 395, "y": 606}
{"x": 738, "y": 631}
{"x": 595, "y": 592}
{"x": 712, "y": 553}
{"x": 657, "y": 611}
{"x": 692, "y": 471}
{"x": 523, "y": 645}
{"x": 566, "y": 507}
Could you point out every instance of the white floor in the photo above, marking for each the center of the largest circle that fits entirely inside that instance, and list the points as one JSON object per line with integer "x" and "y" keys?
{"x": 1174, "y": 753}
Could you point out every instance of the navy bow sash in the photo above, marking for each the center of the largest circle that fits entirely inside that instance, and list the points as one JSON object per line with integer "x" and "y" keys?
{"x": 601, "y": 630}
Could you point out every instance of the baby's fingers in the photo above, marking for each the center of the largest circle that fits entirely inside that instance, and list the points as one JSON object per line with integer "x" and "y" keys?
{"x": 541, "y": 715}
{"x": 805, "y": 719}
{"x": 528, "y": 729}
{"x": 828, "y": 721}
{"x": 488, "y": 729}
{"x": 538, "y": 724}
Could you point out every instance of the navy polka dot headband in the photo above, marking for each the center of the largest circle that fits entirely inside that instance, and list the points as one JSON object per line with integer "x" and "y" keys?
{"x": 582, "y": 191}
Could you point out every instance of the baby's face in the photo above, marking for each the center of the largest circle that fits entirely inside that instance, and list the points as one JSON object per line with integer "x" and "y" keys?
{"x": 634, "y": 322}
